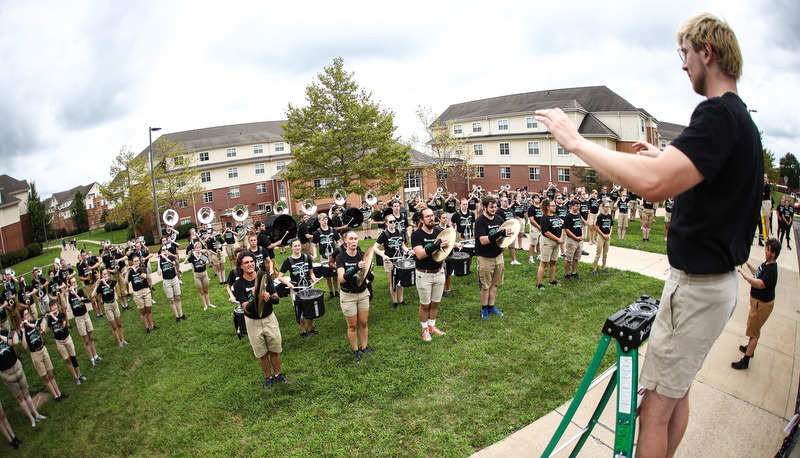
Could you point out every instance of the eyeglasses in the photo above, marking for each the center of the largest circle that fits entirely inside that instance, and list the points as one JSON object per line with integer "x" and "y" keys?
{"x": 682, "y": 55}
{"x": 390, "y": 221}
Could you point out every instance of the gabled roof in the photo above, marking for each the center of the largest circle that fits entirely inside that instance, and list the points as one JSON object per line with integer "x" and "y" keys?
{"x": 593, "y": 126}
{"x": 669, "y": 130}
{"x": 67, "y": 196}
{"x": 226, "y": 136}
{"x": 590, "y": 99}
{"x": 10, "y": 186}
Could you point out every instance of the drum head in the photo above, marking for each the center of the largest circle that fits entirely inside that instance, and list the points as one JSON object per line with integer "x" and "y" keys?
{"x": 404, "y": 264}
{"x": 310, "y": 294}
{"x": 460, "y": 255}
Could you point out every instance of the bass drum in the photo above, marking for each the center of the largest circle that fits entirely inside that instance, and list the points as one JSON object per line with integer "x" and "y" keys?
{"x": 313, "y": 224}
{"x": 238, "y": 322}
{"x": 281, "y": 228}
{"x": 403, "y": 273}
{"x": 458, "y": 264}
{"x": 310, "y": 303}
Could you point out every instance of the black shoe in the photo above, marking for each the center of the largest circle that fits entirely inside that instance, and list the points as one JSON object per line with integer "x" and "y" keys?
{"x": 183, "y": 317}
{"x": 540, "y": 286}
{"x": 584, "y": 253}
{"x": 313, "y": 331}
{"x": 403, "y": 303}
{"x": 16, "y": 440}
{"x": 268, "y": 383}
{"x": 444, "y": 294}
{"x": 57, "y": 398}
{"x": 368, "y": 350}
{"x": 154, "y": 327}
{"x": 64, "y": 396}
{"x": 337, "y": 293}
{"x": 394, "y": 305}
{"x": 330, "y": 295}
{"x": 743, "y": 349}
{"x": 567, "y": 277}
{"x": 13, "y": 444}
{"x": 743, "y": 363}
{"x": 576, "y": 276}
{"x": 177, "y": 319}
{"x": 555, "y": 283}
{"x": 148, "y": 330}
{"x": 222, "y": 283}
{"x": 304, "y": 334}
{"x": 357, "y": 356}
{"x": 279, "y": 378}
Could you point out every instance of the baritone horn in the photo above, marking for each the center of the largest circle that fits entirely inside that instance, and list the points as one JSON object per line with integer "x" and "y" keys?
{"x": 309, "y": 206}
{"x": 371, "y": 197}
{"x": 281, "y": 208}
{"x": 339, "y": 198}
{"x": 205, "y": 215}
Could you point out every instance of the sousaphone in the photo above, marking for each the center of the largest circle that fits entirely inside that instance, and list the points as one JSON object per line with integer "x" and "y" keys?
{"x": 448, "y": 234}
{"x": 504, "y": 242}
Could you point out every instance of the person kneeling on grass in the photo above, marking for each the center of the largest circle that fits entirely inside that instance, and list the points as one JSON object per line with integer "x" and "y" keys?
{"x": 105, "y": 288}
{"x": 58, "y": 323}
{"x": 41, "y": 359}
{"x": 762, "y": 298}
{"x": 262, "y": 324}
{"x": 76, "y": 299}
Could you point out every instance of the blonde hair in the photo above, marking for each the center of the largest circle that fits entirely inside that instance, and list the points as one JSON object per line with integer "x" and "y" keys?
{"x": 707, "y": 28}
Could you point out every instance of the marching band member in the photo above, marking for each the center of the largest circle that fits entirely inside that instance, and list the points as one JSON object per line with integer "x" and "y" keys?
{"x": 300, "y": 269}
{"x": 355, "y": 298}
{"x": 573, "y": 231}
{"x": 31, "y": 330}
{"x": 66, "y": 348}
{"x": 214, "y": 245}
{"x": 551, "y": 239}
{"x": 594, "y": 209}
{"x": 507, "y": 213}
{"x": 393, "y": 242}
{"x": 233, "y": 277}
{"x": 76, "y": 299}
{"x": 260, "y": 254}
{"x": 106, "y": 290}
{"x": 622, "y": 204}
{"x": 305, "y": 237}
{"x": 264, "y": 241}
{"x": 114, "y": 260}
{"x": 144, "y": 260}
{"x": 262, "y": 325}
{"x": 443, "y": 223}
{"x": 142, "y": 296}
{"x": 14, "y": 377}
{"x": 169, "y": 270}
{"x": 229, "y": 237}
{"x": 326, "y": 239}
{"x": 199, "y": 261}
{"x": 491, "y": 263}
{"x": 534, "y": 215}
{"x": 430, "y": 275}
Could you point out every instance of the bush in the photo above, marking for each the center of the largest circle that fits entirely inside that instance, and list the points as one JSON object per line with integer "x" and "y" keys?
{"x": 34, "y": 249}
{"x": 148, "y": 238}
{"x": 183, "y": 229}
{"x": 109, "y": 227}
{"x": 13, "y": 257}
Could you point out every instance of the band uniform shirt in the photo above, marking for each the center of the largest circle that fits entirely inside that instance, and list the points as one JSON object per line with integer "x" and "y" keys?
{"x": 552, "y": 224}
{"x": 486, "y": 227}
{"x": 421, "y": 238}
{"x": 392, "y": 242}
{"x": 348, "y": 263}
{"x": 768, "y": 273}
{"x": 604, "y": 223}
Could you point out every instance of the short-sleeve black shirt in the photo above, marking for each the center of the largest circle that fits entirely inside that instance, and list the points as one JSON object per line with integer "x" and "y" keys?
{"x": 421, "y": 238}
{"x": 485, "y": 227}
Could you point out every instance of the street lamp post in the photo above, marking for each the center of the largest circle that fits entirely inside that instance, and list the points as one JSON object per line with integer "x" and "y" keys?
{"x": 153, "y": 178}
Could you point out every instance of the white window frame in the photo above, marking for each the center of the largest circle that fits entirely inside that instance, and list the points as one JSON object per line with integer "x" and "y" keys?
{"x": 478, "y": 149}
{"x": 477, "y": 127}
{"x": 457, "y": 129}
{"x": 259, "y": 169}
{"x": 502, "y": 124}
{"x": 280, "y": 165}
{"x": 204, "y": 156}
{"x": 185, "y": 221}
{"x": 205, "y": 177}
{"x": 560, "y": 151}
{"x": 183, "y": 203}
{"x": 230, "y": 152}
{"x": 531, "y": 122}
{"x": 233, "y": 173}
{"x": 533, "y": 148}
{"x": 234, "y": 192}
{"x": 279, "y": 147}
{"x": 208, "y": 197}
{"x": 258, "y": 149}
{"x": 563, "y": 172}
{"x": 261, "y": 188}
{"x": 534, "y": 174}
{"x": 413, "y": 179}
{"x": 507, "y": 149}
{"x": 479, "y": 171}
{"x": 505, "y": 172}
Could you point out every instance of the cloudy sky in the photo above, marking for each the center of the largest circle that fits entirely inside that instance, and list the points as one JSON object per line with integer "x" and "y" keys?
{"x": 81, "y": 79}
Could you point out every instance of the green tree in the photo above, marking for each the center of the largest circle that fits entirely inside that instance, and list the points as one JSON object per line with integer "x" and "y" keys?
{"x": 446, "y": 152}
{"x": 80, "y": 217}
{"x": 342, "y": 136}
{"x": 129, "y": 190}
{"x": 769, "y": 166}
{"x": 589, "y": 179}
{"x": 790, "y": 168}
{"x": 177, "y": 178}
{"x": 40, "y": 219}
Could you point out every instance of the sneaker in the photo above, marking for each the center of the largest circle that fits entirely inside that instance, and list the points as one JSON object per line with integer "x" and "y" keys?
{"x": 57, "y": 398}
{"x": 576, "y": 276}
{"x": 304, "y": 334}
{"x": 177, "y": 319}
{"x": 743, "y": 349}
{"x": 594, "y": 272}
{"x": 540, "y": 286}
{"x": 426, "y": 334}
{"x": 538, "y": 257}
{"x": 212, "y": 305}
{"x": 267, "y": 383}
{"x": 154, "y": 327}
{"x": 279, "y": 378}
{"x": 153, "y": 301}
{"x": 494, "y": 311}
{"x": 531, "y": 260}
{"x": 435, "y": 330}
{"x": 394, "y": 305}
{"x": 40, "y": 417}
{"x": 94, "y": 363}
{"x": 368, "y": 350}
{"x": 584, "y": 253}
{"x": 100, "y": 315}
{"x": 403, "y": 303}
{"x": 555, "y": 283}
{"x": 665, "y": 239}
{"x": 313, "y": 331}
{"x": 125, "y": 342}
{"x": 515, "y": 263}
{"x": 484, "y": 314}
{"x": 330, "y": 295}
{"x": 63, "y": 396}
{"x": 78, "y": 381}
{"x": 98, "y": 358}
{"x": 568, "y": 277}
{"x": 606, "y": 271}
{"x": 205, "y": 307}
{"x": 82, "y": 377}
{"x": 444, "y": 294}
{"x": 337, "y": 294}
{"x": 743, "y": 363}
{"x": 121, "y": 344}
{"x": 562, "y": 255}
{"x": 147, "y": 330}
{"x": 357, "y": 354}
{"x": 183, "y": 317}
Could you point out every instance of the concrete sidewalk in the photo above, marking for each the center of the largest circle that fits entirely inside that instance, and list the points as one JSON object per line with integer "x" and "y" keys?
{"x": 733, "y": 413}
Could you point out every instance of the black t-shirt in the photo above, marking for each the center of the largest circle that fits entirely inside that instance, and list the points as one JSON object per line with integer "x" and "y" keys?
{"x": 214, "y": 244}
{"x": 421, "y": 238}
{"x": 668, "y": 205}
{"x": 109, "y": 261}
{"x": 622, "y": 203}
{"x": 604, "y": 223}
{"x": 377, "y": 216}
{"x": 8, "y": 357}
{"x": 83, "y": 272}
{"x": 172, "y": 248}
{"x": 260, "y": 255}
{"x": 450, "y": 205}
{"x": 136, "y": 281}
{"x": 229, "y": 237}
{"x": 244, "y": 292}
{"x": 768, "y": 273}
{"x": 485, "y": 227}
{"x": 199, "y": 263}
{"x": 412, "y": 206}
{"x": 463, "y": 221}
{"x": 473, "y": 204}
{"x": 766, "y": 193}
{"x": 584, "y": 210}
{"x": 302, "y": 232}
{"x": 713, "y": 223}
{"x": 505, "y": 213}
{"x": 326, "y": 241}
{"x": 647, "y": 204}
{"x": 59, "y": 331}
{"x": 264, "y": 242}
{"x": 551, "y": 193}
{"x": 106, "y": 290}
{"x": 535, "y": 211}
{"x": 561, "y": 211}
{"x": 551, "y": 224}
{"x": 392, "y": 242}
{"x": 574, "y": 224}
{"x": 402, "y": 221}
{"x": 299, "y": 269}
{"x": 348, "y": 263}
{"x": 168, "y": 267}
{"x": 76, "y": 302}
{"x": 33, "y": 337}
{"x": 233, "y": 277}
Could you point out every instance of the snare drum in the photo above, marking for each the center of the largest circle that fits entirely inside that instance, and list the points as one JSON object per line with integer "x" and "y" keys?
{"x": 310, "y": 303}
{"x": 469, "y": 248}
{"x": 323, "y": 270}
{"x": 238, "y": 322}
{"x": 403, "y": 273}
{"x": 458, "y": 264}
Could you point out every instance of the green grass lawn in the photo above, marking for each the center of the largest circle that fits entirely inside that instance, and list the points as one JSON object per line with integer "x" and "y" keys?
{"x": 195, "y": 389}
{"x": 43, "y": 260}
{"x": 633, "y": 237}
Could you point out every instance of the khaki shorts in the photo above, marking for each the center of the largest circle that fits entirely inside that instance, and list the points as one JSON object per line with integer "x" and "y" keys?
{"x": 143, "y": 298}
{"x": 172, "y": 287}
{"x": 766, "y": 208}
{"x": 667, "y": 217}
{"x": 264, "y": 335}
{"x": 84, "y": 324}
{"x": 230, "y": 249}
{"x": 111, "y": 310}
{"x": 648, "y": 216}
{"x": 15, "y": 381}
{"x": 759, "y": 312}
{"x": 622, "y": 220}
{"x": 387, "y": 267}
{"x": 491, "y": 270}
{"x": 592, "y": 219}
{"x": 66, "y": 347}
{"x": 41, "y": 361}
{"x": 573, "y": 249}
{"x": 89, "y": 289}
{"x": 215, "y": 258}
{"x": 550, "y": 250}
{"x": 693, "y": 312}
{"x": 353, "y": 303}
{"x": 430, "y": 286}
{"x": 201, "y": 279}
{"x": 535, "y": 235}
{"x": 122, "y": 283}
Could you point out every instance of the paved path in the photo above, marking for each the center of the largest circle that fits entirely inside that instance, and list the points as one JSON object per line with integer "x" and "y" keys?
{"x": 733, "y": 413}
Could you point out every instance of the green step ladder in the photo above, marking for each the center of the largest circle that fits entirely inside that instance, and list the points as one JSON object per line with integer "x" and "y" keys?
{"x": 630, "y": 327}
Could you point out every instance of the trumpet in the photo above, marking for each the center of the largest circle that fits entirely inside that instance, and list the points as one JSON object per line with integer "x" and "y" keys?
{"x": 397, "y": 196}
{"x": 506, "y": 187}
